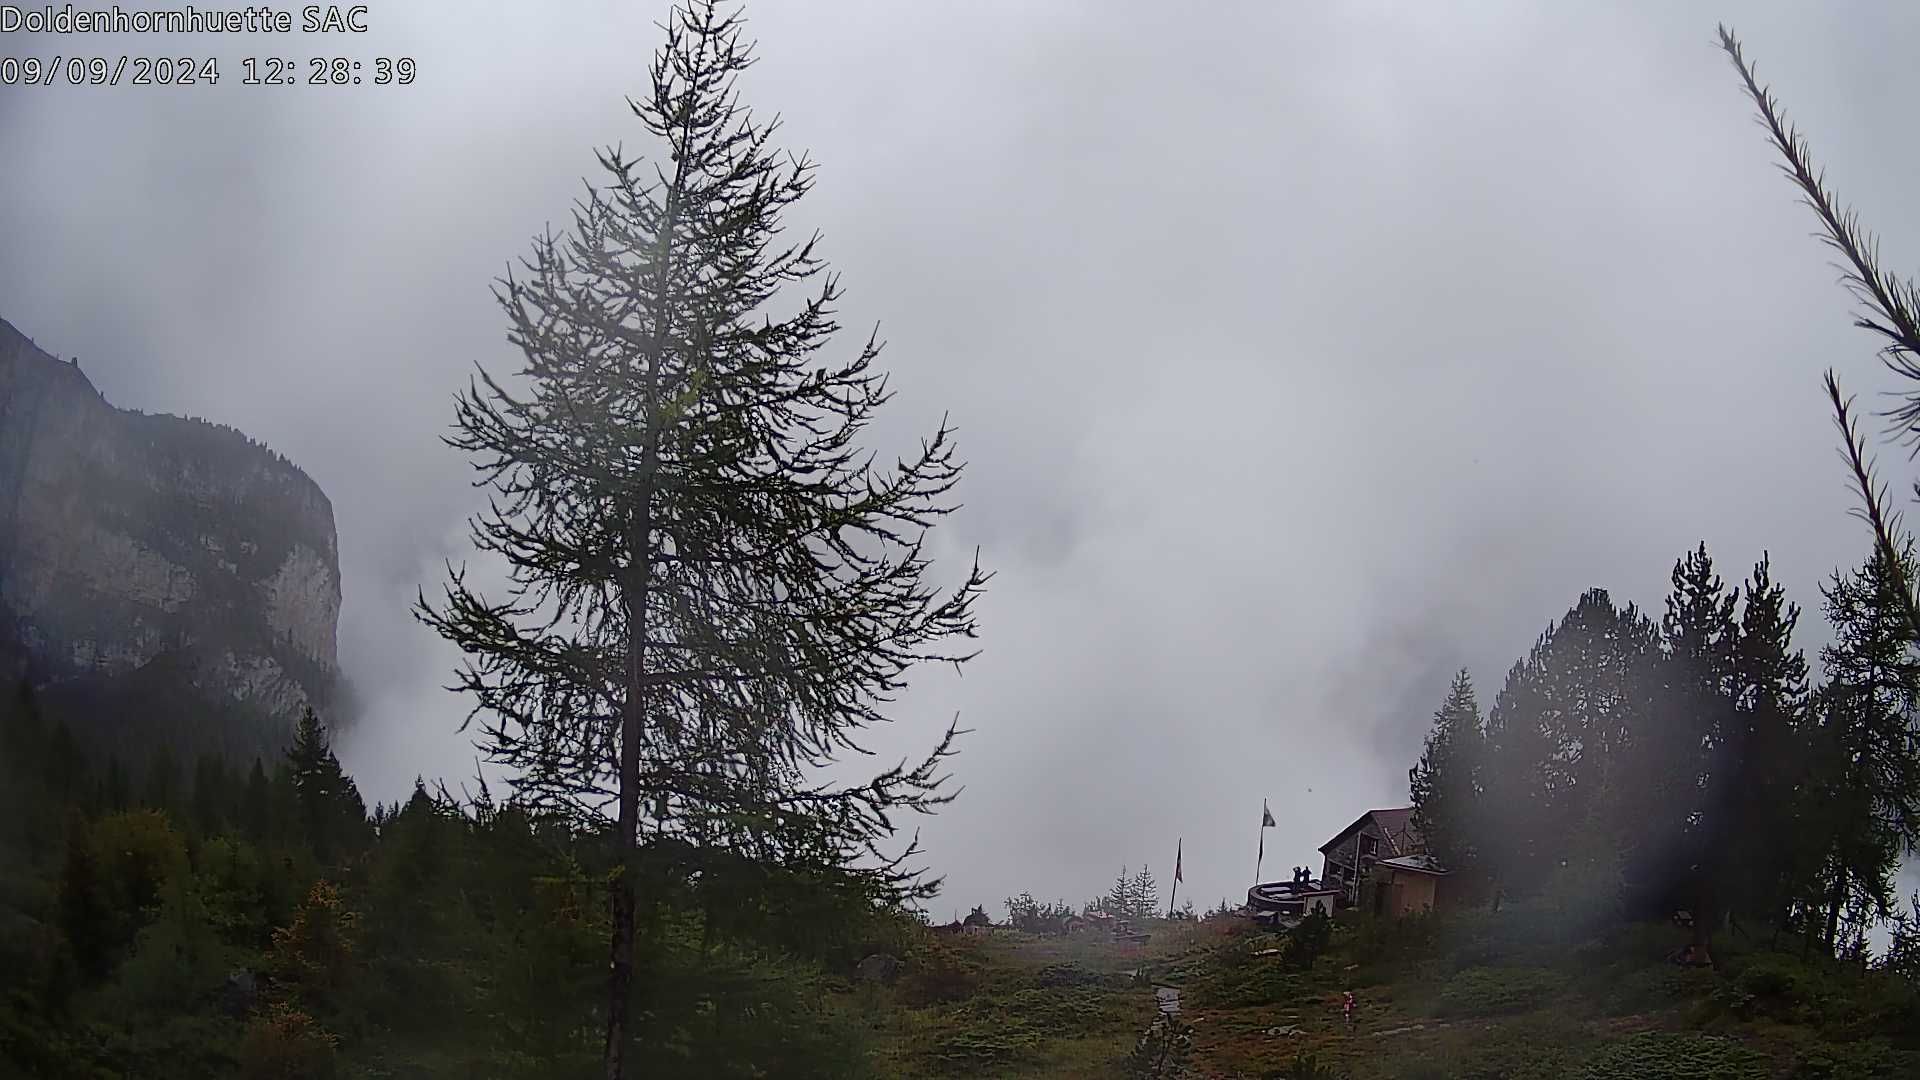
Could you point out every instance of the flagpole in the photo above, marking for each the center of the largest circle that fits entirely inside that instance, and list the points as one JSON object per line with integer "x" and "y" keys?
{"x": 1262, "y": 856}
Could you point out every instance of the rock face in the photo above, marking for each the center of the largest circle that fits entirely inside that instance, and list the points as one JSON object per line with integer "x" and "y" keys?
{"x": 879, "y": 967}
{"x": 132, "y": 543}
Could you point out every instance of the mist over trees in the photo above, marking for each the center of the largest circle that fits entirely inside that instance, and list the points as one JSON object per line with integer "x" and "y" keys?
{"x": 1445, "y": 780}
{"x": 713, "y": 589}
{"x": 1700, "y": 764}
{"x": 264, "y": 924}
{"x": 1689, "y": 764}
{"x": 715, "y": 592}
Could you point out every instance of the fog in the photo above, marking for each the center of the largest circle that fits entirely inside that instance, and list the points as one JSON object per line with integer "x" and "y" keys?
{"x": 1302, "y": 354}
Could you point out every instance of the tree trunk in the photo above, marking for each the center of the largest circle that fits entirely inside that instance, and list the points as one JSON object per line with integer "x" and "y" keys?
{"x": 1705, "y": 914}
{"x": 636, "y": 588}
{"x": 1833, "y": 909}
{"x": 620, "y": 969}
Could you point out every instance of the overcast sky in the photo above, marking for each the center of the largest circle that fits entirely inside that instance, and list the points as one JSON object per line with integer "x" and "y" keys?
{"x": 1303, "y": 353}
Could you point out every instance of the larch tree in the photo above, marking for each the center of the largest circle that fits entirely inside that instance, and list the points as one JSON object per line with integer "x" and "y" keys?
{"x": 1870, "y": 708}
{"x": 1890, "y": 310}
{"x": 713, "y": 588}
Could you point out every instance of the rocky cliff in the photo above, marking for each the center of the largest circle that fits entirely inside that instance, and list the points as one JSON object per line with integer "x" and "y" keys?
{"x": 147, "y": 555}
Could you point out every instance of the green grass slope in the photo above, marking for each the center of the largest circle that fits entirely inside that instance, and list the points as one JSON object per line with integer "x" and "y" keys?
{"x": 1528, "y": 993}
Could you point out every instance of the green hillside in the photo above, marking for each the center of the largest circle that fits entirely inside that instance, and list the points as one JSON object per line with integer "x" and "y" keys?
{"x": 1530, "y": 991}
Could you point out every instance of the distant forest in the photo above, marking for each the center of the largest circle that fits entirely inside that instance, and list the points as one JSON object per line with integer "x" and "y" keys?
{"x": 1697, "y": 765}
{"x": 194, "y": 920}
{"x": 1691, "y": 764}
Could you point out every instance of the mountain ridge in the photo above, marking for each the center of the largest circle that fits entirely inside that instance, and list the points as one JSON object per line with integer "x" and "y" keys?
{"x": 130, "y": 539}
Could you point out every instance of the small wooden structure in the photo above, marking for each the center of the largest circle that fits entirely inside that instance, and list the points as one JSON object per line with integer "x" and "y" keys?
{"x": 1405, "y": 885}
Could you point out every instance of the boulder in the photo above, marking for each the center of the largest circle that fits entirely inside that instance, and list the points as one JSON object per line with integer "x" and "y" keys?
{"x": 879, "y": 967}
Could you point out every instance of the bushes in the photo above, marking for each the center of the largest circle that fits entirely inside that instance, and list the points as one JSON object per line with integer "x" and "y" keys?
{"x": 1648, "y": 988}
{"x": 936, "y": 970}
{"x": 1253, "y": 981}
{"x": 1059, "y": 975}
{"x": 1491, "y": 991}
{"x": 1307, "y": 940}
{"x": 178, "y": 959}
{"x": 1848, "y": 1061}
{"x": 115, "y": 870}
{"x": 1770, "y": 986}
{"x": 1841, "y": 1001}
{"x": 1030, "y": 915}
{"x": 1371, "y": 939}
{"x": 1540, "y": 1047}
{"x": 1308, "y": 1066}
{"x": 286, "y": 1044}
{"x": 995, "y": 1030}
{"x": 1674, "y": 1056}
{"x": 1235, "y": 976}
{"x": 726, "y": 1012}
{"x": 971, "y": 1051}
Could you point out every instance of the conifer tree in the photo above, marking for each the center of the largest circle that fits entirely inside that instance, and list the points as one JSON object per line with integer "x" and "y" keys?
{"x": 82, "y": 912}
{"x": 1696, "y": 711}
{"x": 163, "y": 780}
{"x": 1600, "y": 698}
{"x": 23, "y": 739}
{"x": 1870, "y": 706}
{"x": 713, "y": 588}
{"x": 1698, "y": 636}
{"x": 1143, "y": 894}
{"x": 256, "y": 804}
{"x": 1445, "y": 782}
{"x": 1514, "y": 857}
{"x": 1557, "y": 743}
{"x": 331, "y": 812}
{"x": 114, "y": 791}
{"x": 1119, "y": 899}
{"x": 212, "y": 792}
{"x": 1759, "y": 782}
